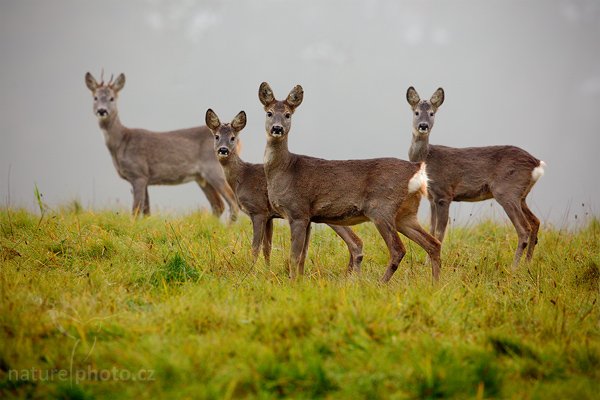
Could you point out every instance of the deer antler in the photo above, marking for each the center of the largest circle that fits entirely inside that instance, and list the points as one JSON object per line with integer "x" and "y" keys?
{"x": 101, "y": 77}
{"x": 111, "y": 80}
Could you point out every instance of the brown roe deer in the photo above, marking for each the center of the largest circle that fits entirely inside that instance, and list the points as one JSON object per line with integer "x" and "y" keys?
{"x": 506, "y": 173}
{"x": 303, "y": 189}
{"x": 144, "y": 158}
{"x": 249, "y": 184}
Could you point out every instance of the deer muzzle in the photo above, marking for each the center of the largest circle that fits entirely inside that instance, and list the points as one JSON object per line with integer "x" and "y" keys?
{"x": 223, "y": 152}
{"x": 277, "y": 131}
{"x": 102, "y": 112}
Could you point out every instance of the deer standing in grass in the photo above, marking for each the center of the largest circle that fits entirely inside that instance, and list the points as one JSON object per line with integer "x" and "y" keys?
{"x": 506, "y": 173}
{"x": 249, "y": 184}
{"x": 303, "y": 189}
{"x": 144, "y": 158}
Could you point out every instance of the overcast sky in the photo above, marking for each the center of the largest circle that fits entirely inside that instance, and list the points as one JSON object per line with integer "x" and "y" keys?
{"x": 525, "y": 73}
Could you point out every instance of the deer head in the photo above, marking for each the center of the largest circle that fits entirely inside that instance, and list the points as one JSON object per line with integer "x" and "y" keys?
{"x": 105, "y": 94}
{"x": 226, "y": 142}
{"x": 424, "y": 110}
{"x": 279, "y": 112}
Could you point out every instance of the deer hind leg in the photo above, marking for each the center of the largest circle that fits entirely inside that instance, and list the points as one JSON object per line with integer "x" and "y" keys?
{"x": 299, "y": 229}
{"x": 518, "y": 219}
{"x": 534, "y": 223}
{"x": 258, "y": 232}
{"x": 354, "y": 244}
{"x": 140, "y": 187}
{"x": 225, "y": 192}
{"x": 229, "y": 196}
{"x": 216, "y": 204}
{"x": 397, "y": 251}
{"x": 411, "y": 228}
{"x": 268, "y": 240}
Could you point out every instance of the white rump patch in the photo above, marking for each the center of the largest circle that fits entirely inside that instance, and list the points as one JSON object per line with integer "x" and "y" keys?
{"x": 538, "y": 171}
{"x": 419, "y": 181}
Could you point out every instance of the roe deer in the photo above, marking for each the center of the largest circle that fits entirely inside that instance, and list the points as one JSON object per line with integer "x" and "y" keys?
{"x": 506, "y": 173}
{"x": 303, "y": 189}
{"x": 249, "y": 184}
{"x": 144, "y": 158}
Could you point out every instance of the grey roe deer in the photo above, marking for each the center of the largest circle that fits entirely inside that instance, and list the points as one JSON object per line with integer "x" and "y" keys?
{"x": 144, "y": 158}
{"x": 506, "y": 173}
{"x": 303, "y": 189}
{"x": 249, "y": 184}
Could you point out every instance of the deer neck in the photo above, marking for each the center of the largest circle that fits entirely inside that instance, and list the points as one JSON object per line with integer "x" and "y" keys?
{"x": 277, "y": 154}
{"x": 113, "y": 132}
{"x": 233, "y": 166}
{"x": 419, "y": 147}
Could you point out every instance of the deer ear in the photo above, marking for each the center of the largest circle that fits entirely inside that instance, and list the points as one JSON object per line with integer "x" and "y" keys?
{"x": 295, "y": 97}
{"x": 437, "y": 98}
{"x": 412, "y": 96}
{"x": 90, "y": 82}
{"x": 212, "y": 121}
{"x": 239, "y": 122}
{"x": 118, "y": 83}
{"x": 265, "y": 94}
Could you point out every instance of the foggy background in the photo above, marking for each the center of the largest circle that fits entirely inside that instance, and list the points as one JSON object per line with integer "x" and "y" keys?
{"x": 525, "y": 73}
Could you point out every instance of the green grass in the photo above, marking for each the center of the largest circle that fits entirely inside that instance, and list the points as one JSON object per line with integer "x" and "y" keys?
{"x": 175, "y": 303}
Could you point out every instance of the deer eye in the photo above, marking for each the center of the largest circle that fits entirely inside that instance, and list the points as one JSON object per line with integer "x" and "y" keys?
{"x": 417, "y": 113}
{"x": 288, "y": 115}
{"x": 95, "y": 98}
{"x": 217, "y": 137}
{"x": 232, "y": 139}
{"x": 112, "y": 99}
{"x": 269, "y": 114}
{"x": 431, "y": 114}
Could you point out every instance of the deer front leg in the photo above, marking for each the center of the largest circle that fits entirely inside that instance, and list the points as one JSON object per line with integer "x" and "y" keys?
{"x": 258, "y": 229}
{"x": 442, "y": 209}
{"x": 433, "y": 215}
{"x": 146, "y": 203}
{"x": 298, "y": 230}
{"x": 139, "y": 195}
{"x": 268, "y": 240}
{"x": 354, "y": 244}
{"x": 305, "y": 250}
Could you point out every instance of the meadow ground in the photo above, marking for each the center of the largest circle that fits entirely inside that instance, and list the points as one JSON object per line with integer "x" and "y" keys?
{"x": 98, "y": 304}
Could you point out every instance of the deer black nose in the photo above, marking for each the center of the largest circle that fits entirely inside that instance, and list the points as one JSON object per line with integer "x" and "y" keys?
{"x": 423, "y": 126}
{"x": 223, "y": 151}
{"x": 102, "y": 112}
{"x": 277, "y": 130}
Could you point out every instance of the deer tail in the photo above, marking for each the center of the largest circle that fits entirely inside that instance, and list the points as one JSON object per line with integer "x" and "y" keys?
{"x": 538, "y": 171}
{"x": 419, "y": 181}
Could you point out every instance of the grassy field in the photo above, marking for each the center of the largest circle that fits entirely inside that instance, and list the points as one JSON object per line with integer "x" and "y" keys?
{"x": 97, "y": 304}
